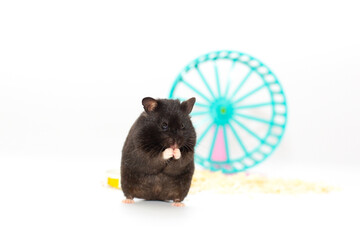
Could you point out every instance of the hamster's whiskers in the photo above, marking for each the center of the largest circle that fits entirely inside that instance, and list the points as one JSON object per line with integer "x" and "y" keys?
{"x": 187, "y": 147}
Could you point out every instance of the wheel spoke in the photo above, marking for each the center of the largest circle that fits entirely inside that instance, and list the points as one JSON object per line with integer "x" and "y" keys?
{"x": 253, "y": 118}
{"x": 248, "y": 130}
{"x": 238, "y": 139}
{"x": 213, "y": 141}
{"x": 199, "y": 113}
{"x": 258, "y": 119}
{"x": 250, "y": 93}
{"x": 217, "y": 78}
{"x": 254, "y": 105}
{"x": 242, "y": 83}
{"x": 195, "y": 90}
{"x": 204, "y": 133}
{"x": 202, "y": 122}
{"x": 226, "y": 143}
{"x": 201, "y": 105}
{"x": 204, "y": 81}
{"x": 229, "y": 79}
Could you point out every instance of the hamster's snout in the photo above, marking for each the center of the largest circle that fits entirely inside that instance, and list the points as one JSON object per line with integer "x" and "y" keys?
{"x": 173, "y": 143}
{"x": 174, "y": 146}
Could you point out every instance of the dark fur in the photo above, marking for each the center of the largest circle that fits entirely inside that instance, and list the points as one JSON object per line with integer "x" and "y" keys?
{"x": 144, "y": 172}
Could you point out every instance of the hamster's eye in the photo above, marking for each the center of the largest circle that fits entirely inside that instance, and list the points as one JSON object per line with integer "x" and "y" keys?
{"x": 164, "y": 126}
{"x": 182, "y": 126}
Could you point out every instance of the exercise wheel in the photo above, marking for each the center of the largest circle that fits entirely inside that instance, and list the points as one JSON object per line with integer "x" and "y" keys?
{"x": 240, "y": 113}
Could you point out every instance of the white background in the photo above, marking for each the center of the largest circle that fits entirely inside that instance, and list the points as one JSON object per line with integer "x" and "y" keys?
{"x": 73, "y": 73}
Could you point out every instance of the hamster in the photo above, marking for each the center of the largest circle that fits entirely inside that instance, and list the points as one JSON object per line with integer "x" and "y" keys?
{"x": 158, "y": 154}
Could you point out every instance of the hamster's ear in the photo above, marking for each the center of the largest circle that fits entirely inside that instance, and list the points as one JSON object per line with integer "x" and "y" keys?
{"x": 149, "y": 104}
{"x": 188, "y": 105}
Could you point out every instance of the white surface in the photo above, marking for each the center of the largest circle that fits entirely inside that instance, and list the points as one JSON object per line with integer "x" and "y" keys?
{"x": 75, "y": 205}
{"x": 72, "y": 76}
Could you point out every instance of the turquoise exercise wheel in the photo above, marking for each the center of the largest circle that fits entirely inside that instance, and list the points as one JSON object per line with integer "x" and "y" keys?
{"x": 240, "y": 113}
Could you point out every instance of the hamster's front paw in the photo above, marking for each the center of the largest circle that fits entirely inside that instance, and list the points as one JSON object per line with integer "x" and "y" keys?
{"x": 168, "y": 153}
{"x": 177, "y": 153}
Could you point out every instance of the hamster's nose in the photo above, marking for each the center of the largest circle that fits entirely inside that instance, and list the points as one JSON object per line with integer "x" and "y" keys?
{"x": 174, "y": 130}
{"x": 174, "y": 146}
{"x": 173, "y": 142}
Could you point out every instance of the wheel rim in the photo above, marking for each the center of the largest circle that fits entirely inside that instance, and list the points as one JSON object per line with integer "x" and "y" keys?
{"x": 240, "y": 114}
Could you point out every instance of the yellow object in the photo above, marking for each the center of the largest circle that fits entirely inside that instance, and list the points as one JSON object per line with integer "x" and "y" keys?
{"x": 113, "y": 182}
{"x": 113, "y": 178}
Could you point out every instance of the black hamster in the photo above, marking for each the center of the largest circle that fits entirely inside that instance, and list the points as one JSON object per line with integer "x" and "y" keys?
{"x": 158, "y": 155}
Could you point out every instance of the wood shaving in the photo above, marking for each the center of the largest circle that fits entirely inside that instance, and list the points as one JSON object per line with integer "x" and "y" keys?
{"x": 204, "y": 180}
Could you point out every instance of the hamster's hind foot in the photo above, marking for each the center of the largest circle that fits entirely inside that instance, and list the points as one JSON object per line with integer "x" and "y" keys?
{"x": 128, "y": 201}
{"x": 178, "y": 204}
